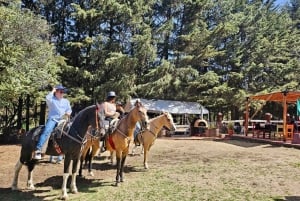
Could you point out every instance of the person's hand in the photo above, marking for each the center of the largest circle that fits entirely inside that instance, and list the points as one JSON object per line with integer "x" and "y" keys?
{"x": 54, "y": 89}
{"x": 66, "y": 116}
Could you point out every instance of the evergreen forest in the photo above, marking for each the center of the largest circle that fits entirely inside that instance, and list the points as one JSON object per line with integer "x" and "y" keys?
{"x": 213, "y": 52}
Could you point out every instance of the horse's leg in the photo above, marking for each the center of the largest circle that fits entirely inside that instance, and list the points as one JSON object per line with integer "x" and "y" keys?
{"x": 80, "y": 167}
{"x": 30, "y": 180}
{"x": 118, "y": 158}
{"x": 133, "y": 150}
{"x": 65, "y": 177}
{"x": 90, "y": 161}
{"x": 83, "y": 158}
{"x": 146, "y": 148}
{"x": 124, "y": 155}
{"x": 112, "y": 157}
{"x": 95, "y": 149}
{"x": 73, "y": 186}
{"x": 18, "y": 167}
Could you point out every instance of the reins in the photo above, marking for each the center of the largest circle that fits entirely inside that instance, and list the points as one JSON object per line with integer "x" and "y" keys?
{"x": 83, "y": 140}
{"x": 153, "y": 132}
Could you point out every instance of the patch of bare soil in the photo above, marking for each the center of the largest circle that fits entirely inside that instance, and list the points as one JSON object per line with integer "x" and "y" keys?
{"x": 253, "y": 166}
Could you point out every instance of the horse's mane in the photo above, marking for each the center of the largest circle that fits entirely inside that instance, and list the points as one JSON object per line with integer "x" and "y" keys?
{"x": 159, "y": 116}
{"x": 83, "y": 110}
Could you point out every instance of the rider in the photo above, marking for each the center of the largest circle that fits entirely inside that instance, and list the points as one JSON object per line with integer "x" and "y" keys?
{"x": 110, "y": 108}
{"x": 110, "y": 111}
{"x": 58, "y": 107}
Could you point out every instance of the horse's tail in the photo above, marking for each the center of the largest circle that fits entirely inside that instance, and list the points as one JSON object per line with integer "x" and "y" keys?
{"x": 27, "y": 150}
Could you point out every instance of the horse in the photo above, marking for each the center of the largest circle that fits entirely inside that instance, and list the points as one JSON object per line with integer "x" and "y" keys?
{"x": 70, "y": 144}
{"x": 91, "y": 148}
{"x": 147, "y": 137}
{"x": 119, "y": 139}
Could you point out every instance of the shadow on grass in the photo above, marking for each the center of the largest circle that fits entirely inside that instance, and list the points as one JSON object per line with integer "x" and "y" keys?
{"x": 289, "y": 198}
{"x": 240, "y": 143}
{"x": 44, "y": 190}
{"x": 9, "y": 195}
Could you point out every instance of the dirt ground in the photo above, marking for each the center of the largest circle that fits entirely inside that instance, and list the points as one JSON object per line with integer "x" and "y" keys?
{"x": 257, "y": 167}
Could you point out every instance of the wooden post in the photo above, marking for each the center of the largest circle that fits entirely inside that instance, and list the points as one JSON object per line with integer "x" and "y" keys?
{"x": 247, "y": 116}
{"x": 284, "y": 114}
{"x": 27, "y": 112}
{"x": 42, "y": 113}
{"x": 19, "y": 112}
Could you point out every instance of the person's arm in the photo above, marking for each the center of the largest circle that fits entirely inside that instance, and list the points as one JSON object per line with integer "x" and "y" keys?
{"x": 50, "y": 95}
{"x": 69, "y": 109}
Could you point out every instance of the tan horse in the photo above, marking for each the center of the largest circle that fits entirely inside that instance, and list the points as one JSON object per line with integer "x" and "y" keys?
{"x": 121, "y": 137}
{"x": 148, "y": 137}
{"x": 90, "y": 150}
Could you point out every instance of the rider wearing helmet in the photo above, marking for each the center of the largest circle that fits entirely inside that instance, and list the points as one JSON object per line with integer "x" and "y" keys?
{"x": 110, "y": 112}
{"x": 110, "y": 108}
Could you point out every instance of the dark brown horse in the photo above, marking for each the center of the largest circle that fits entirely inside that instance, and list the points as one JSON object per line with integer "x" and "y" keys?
{"x": 70, "y": 143}
{"x": 147, "y": 137}
{"x": 121, "y": 137}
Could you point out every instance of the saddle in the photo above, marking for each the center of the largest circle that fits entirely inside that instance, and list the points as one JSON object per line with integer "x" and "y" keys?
{"x": 52, "y": 144}
{"x": 110, "y": 126}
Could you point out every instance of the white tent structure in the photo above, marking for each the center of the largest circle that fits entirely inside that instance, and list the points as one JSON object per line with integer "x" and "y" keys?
{"x": 179, "y": 110}
{"x": 173, "y": 107}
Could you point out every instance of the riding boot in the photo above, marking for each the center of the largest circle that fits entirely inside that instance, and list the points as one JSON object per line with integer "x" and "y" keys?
{"x": 136, "y": 141}
{"x": 103, "y": 148}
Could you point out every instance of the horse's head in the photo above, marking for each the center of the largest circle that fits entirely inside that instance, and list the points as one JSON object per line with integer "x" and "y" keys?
{"x": 99, "y": 121}
{"x": 141, "y": 114}
{"x": 168, "y": 121}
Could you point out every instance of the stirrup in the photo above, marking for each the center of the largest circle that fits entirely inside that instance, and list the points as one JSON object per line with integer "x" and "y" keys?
{"x": 103, "y": 149}
{"x": 37, "y": 155}
{"x": 137, "y": 143}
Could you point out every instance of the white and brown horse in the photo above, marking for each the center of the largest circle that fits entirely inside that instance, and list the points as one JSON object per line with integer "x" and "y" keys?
{"x": 121, "y": 137}
{"x": 70, "y": 143}
{"x": 147, "y": 137}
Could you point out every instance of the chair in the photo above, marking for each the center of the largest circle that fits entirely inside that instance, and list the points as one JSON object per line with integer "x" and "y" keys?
{"x": 259, "y": 129}
{"x": 279, "y": 131}
{"x": 289, "y": 131}
{"x": 267, "y": 131}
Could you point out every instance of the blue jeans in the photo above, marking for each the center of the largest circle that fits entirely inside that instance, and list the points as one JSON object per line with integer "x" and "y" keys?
{"x": 46, "y": 133}
{"x": 137, "y": 129}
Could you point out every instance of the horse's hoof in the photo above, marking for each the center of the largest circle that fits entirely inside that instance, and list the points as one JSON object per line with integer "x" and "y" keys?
{"x": 74, "y": 191}
{"x": 31, "y": 187}
{"x": 117, "y": 184}
{"x": 91, "y": 174}
{"x": 14, "y": 188}
{"x": 122, "y": 180}
{"x": 64, "y": 197}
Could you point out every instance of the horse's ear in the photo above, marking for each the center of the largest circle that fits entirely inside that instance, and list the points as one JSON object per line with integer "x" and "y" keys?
{"x": 99, "y": 106}
{"x": 138, "y": 102}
